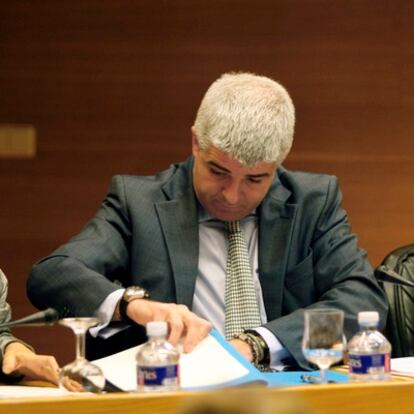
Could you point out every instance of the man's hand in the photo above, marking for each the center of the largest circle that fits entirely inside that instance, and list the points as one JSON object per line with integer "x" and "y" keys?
{"x": 243, "y": 348}
{"x": 182, "y": 322}
{"x": 20, "y": 359}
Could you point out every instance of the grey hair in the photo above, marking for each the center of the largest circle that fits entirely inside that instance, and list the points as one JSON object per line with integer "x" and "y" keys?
{"x": 250, "y": 117}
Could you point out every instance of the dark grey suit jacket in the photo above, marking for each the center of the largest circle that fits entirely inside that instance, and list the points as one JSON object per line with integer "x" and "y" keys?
{"x": 146, "y": 233}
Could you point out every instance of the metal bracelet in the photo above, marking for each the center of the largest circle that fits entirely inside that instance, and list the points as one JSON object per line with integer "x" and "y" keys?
{"x": 249, "y": 339}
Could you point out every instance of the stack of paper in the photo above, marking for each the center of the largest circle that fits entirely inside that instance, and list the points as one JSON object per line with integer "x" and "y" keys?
{"x": 19, "y": 391}
{"x": 403, "y": 366}
{"x": 213, "y": 363}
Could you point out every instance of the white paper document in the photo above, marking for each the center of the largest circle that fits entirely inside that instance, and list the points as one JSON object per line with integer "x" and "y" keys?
{"x": 20, "y": 391}
{"x": 213, "y": 363}
{"x": 403, "y": 366}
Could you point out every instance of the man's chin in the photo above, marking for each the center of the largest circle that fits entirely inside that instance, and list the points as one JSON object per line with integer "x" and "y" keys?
{"x": 228, "y": 215}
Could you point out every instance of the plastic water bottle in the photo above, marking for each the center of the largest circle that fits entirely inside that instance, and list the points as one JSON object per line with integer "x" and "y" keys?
{"x": 157, "y": 361}
{"x": 369, "y": 351}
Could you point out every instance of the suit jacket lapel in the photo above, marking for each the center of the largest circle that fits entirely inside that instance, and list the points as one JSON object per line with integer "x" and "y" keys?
{"x": 275, "y": 230}
{"x": 179, "y": 223}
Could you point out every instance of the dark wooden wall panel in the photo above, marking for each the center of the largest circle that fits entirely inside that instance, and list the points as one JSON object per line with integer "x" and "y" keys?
{"x": 113, "y": 87}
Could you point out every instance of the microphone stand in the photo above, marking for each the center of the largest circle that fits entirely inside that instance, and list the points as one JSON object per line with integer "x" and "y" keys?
{"x": 47, "y": 317}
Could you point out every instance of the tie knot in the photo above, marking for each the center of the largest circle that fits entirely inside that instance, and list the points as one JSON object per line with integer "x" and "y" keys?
{"x": 233, "y": 226}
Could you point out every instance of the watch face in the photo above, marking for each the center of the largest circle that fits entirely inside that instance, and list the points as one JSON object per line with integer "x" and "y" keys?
{"x": 134, "y": 292}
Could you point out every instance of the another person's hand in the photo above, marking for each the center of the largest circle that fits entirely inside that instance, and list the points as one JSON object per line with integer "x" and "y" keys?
{"x": 19, "y": 359}
{"x": 182, "y": 322}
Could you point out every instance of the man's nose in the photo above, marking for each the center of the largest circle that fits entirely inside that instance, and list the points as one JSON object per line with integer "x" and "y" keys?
{"x": 231, "y": 193}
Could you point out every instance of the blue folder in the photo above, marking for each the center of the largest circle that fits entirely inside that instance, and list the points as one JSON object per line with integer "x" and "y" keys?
{"x": 272, "y": 379}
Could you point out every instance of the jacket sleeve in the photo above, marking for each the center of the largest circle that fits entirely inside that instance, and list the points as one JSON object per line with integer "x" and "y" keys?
{"x": 78, "y": 276}
{"x": 342, "y": 278}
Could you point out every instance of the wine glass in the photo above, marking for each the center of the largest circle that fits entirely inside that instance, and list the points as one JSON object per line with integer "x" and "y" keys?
{"x": 323, "y": 340}
{"x": 81, "y": 375}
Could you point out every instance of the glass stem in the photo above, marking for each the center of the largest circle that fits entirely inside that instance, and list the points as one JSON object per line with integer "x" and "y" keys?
{"x": 80, "y": 344}
{"x": 324, "y": 376}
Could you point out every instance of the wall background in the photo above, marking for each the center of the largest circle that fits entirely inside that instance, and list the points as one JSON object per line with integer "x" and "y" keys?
{"x": 113, "y": 87}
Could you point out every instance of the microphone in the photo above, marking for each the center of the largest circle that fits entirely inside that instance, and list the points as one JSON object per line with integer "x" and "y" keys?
{"x": 385, "y": 274}
{"x": 47, "y": 317}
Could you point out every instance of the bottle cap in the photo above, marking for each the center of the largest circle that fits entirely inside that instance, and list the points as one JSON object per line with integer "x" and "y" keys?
{"x": 368, "y": 317}
{"x": 157, "y": 328}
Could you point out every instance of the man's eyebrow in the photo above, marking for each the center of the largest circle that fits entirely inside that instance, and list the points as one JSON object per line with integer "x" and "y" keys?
{"x": 258, "y": 175}
{"x": 219, "y": 167}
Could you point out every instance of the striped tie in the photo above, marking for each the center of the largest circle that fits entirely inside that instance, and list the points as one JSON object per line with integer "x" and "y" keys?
{"x": 242, "y": 309}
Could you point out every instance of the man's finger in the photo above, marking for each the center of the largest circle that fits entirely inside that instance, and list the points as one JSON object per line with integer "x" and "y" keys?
{"x": 176, "y": 327}
{"x": 9, "y": 364}
{"x": 197, "y": 330}
{"x": 52, "y": 371}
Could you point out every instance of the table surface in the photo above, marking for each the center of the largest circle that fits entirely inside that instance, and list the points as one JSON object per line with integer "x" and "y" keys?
{"x": 385, "y": 397}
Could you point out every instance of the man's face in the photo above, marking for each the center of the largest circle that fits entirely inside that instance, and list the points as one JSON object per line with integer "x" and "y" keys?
{"x": 225, "y": 188}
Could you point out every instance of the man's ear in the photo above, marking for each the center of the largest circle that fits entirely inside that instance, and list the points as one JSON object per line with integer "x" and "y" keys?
{"x": 194, "y": 142}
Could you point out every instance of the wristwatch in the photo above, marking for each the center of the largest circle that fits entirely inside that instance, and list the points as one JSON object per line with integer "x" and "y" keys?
{"x": 131, "y": 293}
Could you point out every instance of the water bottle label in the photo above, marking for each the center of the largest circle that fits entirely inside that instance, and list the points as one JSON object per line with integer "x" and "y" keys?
{"x": 369, "y": 364}
{"x": 158, "y": 376}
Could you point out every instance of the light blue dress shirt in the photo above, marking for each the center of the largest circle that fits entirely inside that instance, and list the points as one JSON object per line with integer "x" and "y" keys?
{"x": 209, "y": 294}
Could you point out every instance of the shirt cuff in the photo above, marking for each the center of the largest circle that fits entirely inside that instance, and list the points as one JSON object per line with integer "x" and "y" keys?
{"x": 106, "y": 312}
{"x": 277, "y": 352}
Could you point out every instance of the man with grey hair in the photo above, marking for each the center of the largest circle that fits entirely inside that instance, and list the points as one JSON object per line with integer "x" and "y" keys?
{"x": 250, "y": 117}
{"x": 228, "y": 239}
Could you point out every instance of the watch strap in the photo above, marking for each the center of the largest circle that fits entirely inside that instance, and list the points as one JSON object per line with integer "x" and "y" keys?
{"x": 123, "y": 311}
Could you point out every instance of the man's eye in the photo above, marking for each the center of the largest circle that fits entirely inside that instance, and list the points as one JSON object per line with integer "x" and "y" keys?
{"x": 217, "y": 172}
{"x": 254, "y": 180}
